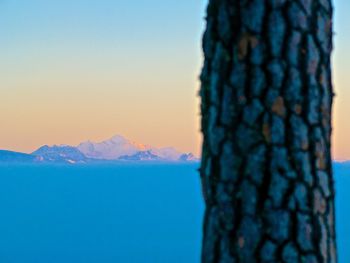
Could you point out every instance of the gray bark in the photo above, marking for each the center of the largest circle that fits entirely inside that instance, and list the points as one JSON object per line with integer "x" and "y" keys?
{"x": 266, "y": 119}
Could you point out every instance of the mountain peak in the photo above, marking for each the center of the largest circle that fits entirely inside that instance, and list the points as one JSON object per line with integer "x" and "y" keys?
{"x": 116, "y": 148}
{"x": 110, "y": 149}
{"x": 62, "y": 153}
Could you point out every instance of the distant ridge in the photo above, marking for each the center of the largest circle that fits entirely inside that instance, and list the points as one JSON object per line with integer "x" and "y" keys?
{"x": 16, "y": 157}
{"x": 66, "y": 154}
{"x": 115, "y": 149}
{"x": 141, "y": 156}
{"x": 112, "y": 148}
{"x": 118, "y": 146}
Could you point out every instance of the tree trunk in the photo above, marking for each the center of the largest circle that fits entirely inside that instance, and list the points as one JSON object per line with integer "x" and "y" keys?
{"x": 266, "y": 119}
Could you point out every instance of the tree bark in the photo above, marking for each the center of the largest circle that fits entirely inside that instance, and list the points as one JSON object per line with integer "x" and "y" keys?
{"x": 266, "y": 119}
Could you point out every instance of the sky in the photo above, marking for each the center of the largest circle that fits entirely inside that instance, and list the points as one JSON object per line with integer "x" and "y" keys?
{"x": 341, "y": 81}
{"x": 86, "y": 69}
{"x": 81, "y": 70}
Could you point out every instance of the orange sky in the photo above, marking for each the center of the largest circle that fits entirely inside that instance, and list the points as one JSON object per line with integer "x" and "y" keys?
{"x": 108, "y": 67}
{"x": 116, "y": 68}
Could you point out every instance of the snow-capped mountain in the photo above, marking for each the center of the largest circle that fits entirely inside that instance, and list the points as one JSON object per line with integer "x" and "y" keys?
{"x": 118, "y": 148}
{"x": 111, "y": 149}
{"x": 64, "y": 153}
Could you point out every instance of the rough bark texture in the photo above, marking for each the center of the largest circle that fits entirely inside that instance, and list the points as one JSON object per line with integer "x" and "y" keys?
{"x": 266, "y": 119}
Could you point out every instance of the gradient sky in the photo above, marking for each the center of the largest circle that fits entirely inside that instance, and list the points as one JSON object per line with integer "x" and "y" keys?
{"x": 341, "y": 76}
{"x": 73, "y": 70}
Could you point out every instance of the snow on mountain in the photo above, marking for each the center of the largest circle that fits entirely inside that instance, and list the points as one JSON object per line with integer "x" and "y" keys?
{"x": 119, "y": 146}
{"x": 111, "y": 149}
{"x": 64, "y": 153}
{"x": 114, "y": 149}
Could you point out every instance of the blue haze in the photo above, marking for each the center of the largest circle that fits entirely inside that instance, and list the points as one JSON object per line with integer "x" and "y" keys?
{"x": 139, "y": 213}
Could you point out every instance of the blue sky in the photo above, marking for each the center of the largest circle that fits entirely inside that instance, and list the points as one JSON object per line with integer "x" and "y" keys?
{"x": 341, "y": 79}
{"x": 72, "y": 70}
{"x": 77, "y": 70}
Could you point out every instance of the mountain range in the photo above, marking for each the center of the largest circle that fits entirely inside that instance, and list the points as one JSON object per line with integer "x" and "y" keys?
{"x": 115, "y": 149}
